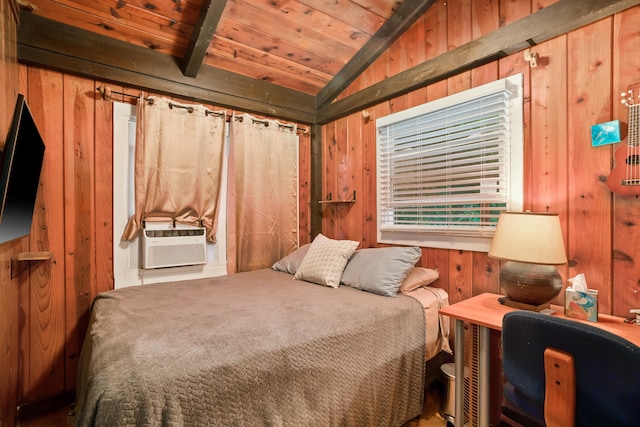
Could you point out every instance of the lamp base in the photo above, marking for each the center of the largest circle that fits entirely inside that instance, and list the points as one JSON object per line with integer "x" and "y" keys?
{"x": 533, "y": 284}
{"x": 523, "y": 306}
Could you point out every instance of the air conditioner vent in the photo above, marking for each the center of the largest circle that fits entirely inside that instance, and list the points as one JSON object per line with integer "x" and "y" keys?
{"x": 173, "y": 247}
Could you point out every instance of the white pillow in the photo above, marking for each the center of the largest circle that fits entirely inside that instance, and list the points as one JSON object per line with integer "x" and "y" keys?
{"x": 325, "y": 261}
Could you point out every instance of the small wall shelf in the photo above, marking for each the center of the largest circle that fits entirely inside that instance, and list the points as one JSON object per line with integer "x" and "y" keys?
{"x": 25, "y": 261}
{"x": 329, "y": 199}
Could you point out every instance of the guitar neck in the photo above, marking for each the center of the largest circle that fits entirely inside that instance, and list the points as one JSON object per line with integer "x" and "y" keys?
{"x": 624, "y": 178}
{"x": 633, "y": 137}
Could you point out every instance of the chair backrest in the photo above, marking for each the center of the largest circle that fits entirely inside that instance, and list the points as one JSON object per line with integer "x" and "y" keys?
{"x": 607, "y": 368}
{"x": 560, "y": 388}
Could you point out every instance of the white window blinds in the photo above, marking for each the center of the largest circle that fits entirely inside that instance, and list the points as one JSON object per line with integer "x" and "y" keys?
{"x": 446, "y": 168}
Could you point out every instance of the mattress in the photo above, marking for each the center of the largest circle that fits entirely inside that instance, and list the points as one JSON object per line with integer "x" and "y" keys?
{"x": 254, "y": 348}
{"x": 437, "y": 326}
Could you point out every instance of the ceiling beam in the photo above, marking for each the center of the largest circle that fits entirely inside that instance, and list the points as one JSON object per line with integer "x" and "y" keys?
{"x": 549, "y": 22}
{"x": 203, "y": 31}
{"x": 404, "y": 17}
{"x": 48, "y": 44}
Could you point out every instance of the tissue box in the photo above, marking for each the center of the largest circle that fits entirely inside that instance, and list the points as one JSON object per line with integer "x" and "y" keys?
{"x": 581, "y": 305}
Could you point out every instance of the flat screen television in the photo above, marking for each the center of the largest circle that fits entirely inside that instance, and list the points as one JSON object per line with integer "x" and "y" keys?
{"x": 21, "y": 163}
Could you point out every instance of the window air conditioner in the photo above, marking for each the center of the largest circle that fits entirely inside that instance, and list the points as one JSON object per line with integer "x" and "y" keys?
{"x": 173, "y": 247}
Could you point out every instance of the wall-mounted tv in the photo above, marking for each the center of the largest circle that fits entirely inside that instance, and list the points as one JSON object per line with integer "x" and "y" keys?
{"x": 20, "y": 163}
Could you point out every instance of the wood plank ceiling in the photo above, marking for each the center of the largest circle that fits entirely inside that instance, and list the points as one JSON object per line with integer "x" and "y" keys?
{"x": 296, "y": 44}
{"x": 287, "y": 59}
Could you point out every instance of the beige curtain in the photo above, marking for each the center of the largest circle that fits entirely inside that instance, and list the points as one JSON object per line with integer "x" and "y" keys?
{"x": 178, "y": 165}
{"x": 263, "y": 191}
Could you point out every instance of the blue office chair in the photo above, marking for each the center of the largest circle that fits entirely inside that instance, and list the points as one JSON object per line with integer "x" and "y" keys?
{"x": 606, "y": 372}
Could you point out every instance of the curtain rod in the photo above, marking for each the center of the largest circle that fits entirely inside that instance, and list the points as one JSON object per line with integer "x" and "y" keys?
{"x": 189, "y": 108}
{"x": 266, "y": 123}
{"x": 106, "y": 93}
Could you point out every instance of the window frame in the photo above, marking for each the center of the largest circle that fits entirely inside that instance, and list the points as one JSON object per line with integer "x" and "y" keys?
{"x": 448, "y": 237}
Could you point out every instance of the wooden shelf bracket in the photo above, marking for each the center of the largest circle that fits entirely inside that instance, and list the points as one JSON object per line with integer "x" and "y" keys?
{"x": 329, "y": 199}
{"x": 26, "y": 260}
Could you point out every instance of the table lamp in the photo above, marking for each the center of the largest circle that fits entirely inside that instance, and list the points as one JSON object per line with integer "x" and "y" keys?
{"x": 532, "y": 245}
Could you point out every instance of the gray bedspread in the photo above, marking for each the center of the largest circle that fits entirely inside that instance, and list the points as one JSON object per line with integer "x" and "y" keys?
{"x": 251, "y": 349}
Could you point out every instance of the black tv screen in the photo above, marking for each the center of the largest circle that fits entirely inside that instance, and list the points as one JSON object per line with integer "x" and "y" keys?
{"x": 21, "y": 163}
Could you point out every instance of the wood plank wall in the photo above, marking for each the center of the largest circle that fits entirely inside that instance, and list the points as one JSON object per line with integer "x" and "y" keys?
{"x": 576, "y": 84}
{"x": 73, "y": 219}
{"x": 9, "y": 289}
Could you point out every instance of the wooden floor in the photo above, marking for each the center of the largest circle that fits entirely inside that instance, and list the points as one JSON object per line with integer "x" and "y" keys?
{"x": 431, "y": 410}
{"x": 60, "y": 418}
{"x": 430, "y": 414}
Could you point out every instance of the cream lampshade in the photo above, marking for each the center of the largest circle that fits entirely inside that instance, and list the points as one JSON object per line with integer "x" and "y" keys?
{"x": 532, "y": 245}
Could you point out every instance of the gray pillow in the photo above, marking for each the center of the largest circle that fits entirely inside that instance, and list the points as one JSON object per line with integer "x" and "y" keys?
{"x": 291, "y": 262}
{"x": 380, "y": 270}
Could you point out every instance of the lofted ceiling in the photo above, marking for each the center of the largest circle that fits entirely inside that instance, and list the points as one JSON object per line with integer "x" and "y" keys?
{"x": 297, "y": 44}
{"x": 287, "y": 59}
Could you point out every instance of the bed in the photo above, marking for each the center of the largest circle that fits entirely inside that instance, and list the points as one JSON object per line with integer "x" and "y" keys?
{"x": 255, "y": 348}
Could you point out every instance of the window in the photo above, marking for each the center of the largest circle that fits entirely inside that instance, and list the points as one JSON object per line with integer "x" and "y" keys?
{"x": 127, "y": 255}
{"x": 447, "y": 168}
